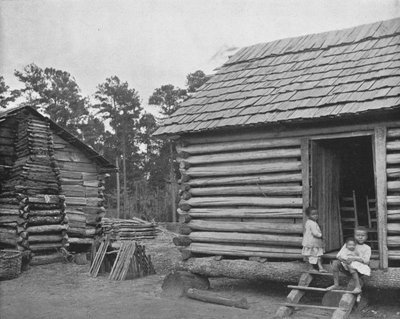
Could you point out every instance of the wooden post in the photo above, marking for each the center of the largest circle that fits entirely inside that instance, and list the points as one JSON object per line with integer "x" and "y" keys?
{"x": 118, "y": 189}
{"x": 381, "y": 193}
{"x": 172, "y": 179}
{"x": 305, "y": 172}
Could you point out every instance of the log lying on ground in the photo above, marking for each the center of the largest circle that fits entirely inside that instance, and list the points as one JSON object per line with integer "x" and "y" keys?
{"x": 208, "y": 296}
{"x": 177, "y": 283}
{"x": 285, "y": 272}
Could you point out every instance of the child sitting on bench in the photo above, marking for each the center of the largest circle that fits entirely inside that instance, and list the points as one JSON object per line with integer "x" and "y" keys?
{"x": 353, "y": 259}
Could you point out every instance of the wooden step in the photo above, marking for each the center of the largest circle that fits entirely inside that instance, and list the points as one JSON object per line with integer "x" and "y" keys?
{"x": 318, "y": 289}
{"x": 296, "y": 305}
{"x": 315, "y": 272}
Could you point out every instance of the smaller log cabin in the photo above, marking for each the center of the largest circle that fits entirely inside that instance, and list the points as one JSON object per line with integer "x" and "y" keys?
{"x": 51, "y": 186}
{"x": 312, "y": 120}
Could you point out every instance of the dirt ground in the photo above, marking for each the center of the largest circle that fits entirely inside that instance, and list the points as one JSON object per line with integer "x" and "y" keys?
{"x": 61, "y": 291}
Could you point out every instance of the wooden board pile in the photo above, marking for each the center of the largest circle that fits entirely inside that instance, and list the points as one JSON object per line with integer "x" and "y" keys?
{"x": 130, "y": 262}
{"x": 128, "y": 229}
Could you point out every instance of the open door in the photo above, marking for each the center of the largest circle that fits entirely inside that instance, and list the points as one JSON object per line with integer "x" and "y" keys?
{"x": 325, "y": 192}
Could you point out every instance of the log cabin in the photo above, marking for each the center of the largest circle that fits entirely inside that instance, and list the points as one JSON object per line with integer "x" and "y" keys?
{"x": 51, "y": 186}
{"x": 311, "y": 120}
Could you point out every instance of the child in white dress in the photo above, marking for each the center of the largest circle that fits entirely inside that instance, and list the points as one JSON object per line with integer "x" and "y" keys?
{"x": 312, "y": 240}
{"x": 345, "y": 256}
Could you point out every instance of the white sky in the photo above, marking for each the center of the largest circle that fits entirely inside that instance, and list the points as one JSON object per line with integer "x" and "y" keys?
{"x": 153, "y": 42}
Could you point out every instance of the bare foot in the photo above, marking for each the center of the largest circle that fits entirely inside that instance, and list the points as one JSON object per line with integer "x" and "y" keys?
{"x": 322, "y": 270}
{"x": 333, "y": 287}
{"x": 356, "y": 290}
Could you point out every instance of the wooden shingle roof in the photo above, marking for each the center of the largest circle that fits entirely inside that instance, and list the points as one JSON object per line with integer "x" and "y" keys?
{"x": 332, "y": 74}
{"x": 66, "y": 135}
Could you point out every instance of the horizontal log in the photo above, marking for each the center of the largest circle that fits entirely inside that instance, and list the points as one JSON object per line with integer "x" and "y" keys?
{"x": 83, "y": 167}
{"x": 393, "y": 186}
{"x": 283, "y": 272}
{"x": 71, "y": 156}
{"x": 394, "y": 254}
{"x": 45, "y": 220}
{"x": 246, "y": 227}
{"x": 393, "y": 214}
{"x": 243, "y": 156}
{"x": 249, "y": 212}
{"x": 238, "y": 169}
{"x": 393, "y": 228}
{"x": 46, "y": 229}
{"x": 393, "y": 200}
{"x": 238, "y": 145}
{"x": 45, "y": 246}
{"x": 80, "y": 241}
{"x": 393, "y": 145}
{"x": 49, "y": 212}
{"x": 244, "y": 251}
{"x": 393, "y": 172}
{"x": 393, "y": 158}
{"x": 393, "y": 241}
{"x": 44, "y": 199}
{"x": 212, "y": 297}
{"x": 45, "y": 238}
{"x": 247, "y": 190}
{"x": 246, "y": 180}
{"x": 245, "y": 238}
{"x": 9, "y": 211}
{"x": 11, "y": 219}
{"x": 243, "y": 201}
{"x": 393, "y": 132}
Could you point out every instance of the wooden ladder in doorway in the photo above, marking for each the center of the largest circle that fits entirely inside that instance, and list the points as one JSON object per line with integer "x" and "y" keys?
{"x": 342, "y": 311}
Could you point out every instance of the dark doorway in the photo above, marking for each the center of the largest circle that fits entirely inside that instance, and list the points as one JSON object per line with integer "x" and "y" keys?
{"x": 342, "y": 183}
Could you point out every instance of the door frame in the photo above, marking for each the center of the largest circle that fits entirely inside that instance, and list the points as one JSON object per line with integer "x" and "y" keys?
{"x": 378, "y": 143}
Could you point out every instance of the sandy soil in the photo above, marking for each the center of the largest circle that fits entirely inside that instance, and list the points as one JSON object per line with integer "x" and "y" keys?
{"x": 61, "y": 291}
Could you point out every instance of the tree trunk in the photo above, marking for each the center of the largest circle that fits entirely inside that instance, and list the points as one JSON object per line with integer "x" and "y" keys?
{"x": 285, "y": 272}
{"x": 212, "y": 297}
{"x": 124, "y": 168}
{"x": 118, "y": 189}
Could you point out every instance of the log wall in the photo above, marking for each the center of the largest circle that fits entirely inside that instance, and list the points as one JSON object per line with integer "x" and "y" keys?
{"x": 242, "y": 198}
{"x": 241, "y": 195}
{"x": 51, "y": 192}
{"x": 31, "y": 205}
{"x": 393, "y": 193}
{"x": 82, "y": 186}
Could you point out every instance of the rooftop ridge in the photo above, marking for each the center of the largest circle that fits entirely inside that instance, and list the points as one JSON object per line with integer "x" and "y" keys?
{"x": 328, "y": 39}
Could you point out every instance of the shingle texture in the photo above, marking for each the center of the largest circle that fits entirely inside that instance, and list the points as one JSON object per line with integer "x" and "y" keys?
{"x": 332, "y": 74}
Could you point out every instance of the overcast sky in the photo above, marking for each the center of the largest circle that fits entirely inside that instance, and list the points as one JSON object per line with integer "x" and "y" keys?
{"x": 153, "y": 42}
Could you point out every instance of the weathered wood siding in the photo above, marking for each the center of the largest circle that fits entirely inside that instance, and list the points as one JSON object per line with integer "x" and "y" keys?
{"x": 81, "y": 184}
{"x": 7, "y": 150}
{"x": 393, "y": 193}
{"x": 243, "y": 198}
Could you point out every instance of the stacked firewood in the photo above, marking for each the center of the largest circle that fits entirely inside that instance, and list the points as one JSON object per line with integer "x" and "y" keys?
{"x": 128, "y": 229}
